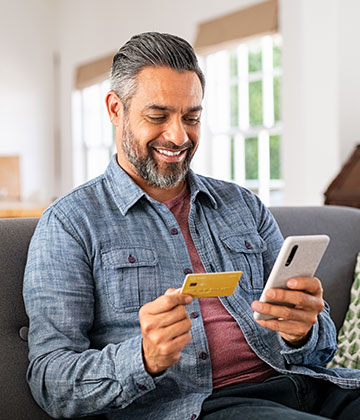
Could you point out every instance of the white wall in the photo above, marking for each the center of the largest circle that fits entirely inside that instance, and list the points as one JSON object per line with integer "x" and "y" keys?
{"x": 349, "y": 76}
{"x": 321, "y": 93}
{"x": 310, "y": 98}
{"x": 26, "y": 91}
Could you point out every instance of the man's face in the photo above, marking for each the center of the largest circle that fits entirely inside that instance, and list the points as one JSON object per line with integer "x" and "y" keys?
{"x": 161, "y": 128}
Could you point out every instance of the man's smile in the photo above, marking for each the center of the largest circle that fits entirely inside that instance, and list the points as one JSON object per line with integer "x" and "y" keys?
{"x": 170, "y": 155}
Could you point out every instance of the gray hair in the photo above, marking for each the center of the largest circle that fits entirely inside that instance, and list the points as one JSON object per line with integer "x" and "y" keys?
{"x": 150, "y": 49}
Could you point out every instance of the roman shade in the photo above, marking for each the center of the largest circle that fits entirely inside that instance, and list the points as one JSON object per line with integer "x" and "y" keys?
{"x": 220, "y": 33}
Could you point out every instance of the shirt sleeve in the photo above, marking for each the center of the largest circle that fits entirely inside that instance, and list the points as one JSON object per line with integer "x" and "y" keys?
{"x": 67, "y": 377}
{"x": 320, "y": 347}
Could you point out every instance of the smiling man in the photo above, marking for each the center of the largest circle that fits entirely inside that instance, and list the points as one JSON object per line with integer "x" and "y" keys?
{"x": 109, "y": 330}
{"x": 158, "y": 151}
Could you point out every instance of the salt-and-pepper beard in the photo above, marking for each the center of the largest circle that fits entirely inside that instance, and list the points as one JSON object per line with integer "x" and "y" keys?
{"x": 147, "y": 167}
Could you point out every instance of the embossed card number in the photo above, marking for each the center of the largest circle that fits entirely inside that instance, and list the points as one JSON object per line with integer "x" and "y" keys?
{"x": 211, "y": 284}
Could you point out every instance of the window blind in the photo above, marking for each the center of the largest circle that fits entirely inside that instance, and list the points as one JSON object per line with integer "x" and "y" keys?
{"x": 220, "y": 33}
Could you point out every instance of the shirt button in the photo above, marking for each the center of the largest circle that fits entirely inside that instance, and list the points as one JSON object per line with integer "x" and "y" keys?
{"x": 194, "y": 314}
{"x": 142, "y": 387}
{"x": 248, "y": 245}
{"x": 174, "y": 231}
{"x": 203, "y": 355}
{"x": 193, "y": 417}
{"x": 187, "y": 270}
{"x": 131, "y": 259}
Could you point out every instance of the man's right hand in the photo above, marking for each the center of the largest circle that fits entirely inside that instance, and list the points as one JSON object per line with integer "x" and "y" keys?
{"x": 165, "y": 328}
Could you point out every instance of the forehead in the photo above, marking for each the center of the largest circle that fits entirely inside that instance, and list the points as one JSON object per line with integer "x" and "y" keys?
{"x": 164, "y": 86}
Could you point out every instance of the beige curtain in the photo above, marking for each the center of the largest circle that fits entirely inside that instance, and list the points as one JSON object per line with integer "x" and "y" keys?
{"x": 222, "y": 32}
{"x": 94, "y": 72}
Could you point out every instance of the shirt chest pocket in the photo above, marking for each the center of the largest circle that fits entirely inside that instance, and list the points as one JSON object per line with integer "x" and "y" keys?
{"x": 245, "y": 251}
{"x": 131, "y": 277}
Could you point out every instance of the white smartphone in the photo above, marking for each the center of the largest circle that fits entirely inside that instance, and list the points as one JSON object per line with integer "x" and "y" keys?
{"x": 299, "y": 256}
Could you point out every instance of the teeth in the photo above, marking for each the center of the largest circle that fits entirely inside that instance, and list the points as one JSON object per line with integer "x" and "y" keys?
{"x": 168, "y": 153}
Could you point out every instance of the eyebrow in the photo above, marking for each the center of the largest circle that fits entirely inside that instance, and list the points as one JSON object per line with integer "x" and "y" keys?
{"x": 171, "y": 109}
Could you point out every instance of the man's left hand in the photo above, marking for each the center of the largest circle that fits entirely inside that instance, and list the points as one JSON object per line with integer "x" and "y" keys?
{"x": 293, "y": 323}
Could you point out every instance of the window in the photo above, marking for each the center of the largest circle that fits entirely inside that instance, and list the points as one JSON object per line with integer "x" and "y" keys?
{"x": 93, "y": 134}
{"x": 243, "y": 116}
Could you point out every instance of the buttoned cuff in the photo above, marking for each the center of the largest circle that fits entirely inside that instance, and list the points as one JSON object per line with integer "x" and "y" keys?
{"x": 300, "y": 355}
{"x": 130, "y": 371}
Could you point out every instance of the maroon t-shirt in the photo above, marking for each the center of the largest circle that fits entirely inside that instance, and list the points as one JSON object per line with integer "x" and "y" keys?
{"x": 232, "y": 359}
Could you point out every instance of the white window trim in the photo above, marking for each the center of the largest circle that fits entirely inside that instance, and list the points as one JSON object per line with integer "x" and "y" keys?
{"x": 217, "y": 119}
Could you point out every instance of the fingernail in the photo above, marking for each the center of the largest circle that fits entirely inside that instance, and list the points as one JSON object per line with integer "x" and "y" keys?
{"x": 270, "y": 294}
{"x": 173, "y": 292}
{"x": 188, "y": 299}
{"x": 292, "y": 283}
{"x": 256, "y": 306}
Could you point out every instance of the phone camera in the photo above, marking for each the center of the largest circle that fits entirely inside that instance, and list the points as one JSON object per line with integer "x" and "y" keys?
{"x": 291, "y": 256}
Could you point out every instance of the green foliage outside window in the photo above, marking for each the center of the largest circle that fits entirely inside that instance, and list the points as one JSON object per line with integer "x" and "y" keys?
{"x": 233, "y": 64}
{"x": 232, "y": 159}
{"x": 255, "y": 63}
{"x": 234, "y": 111}
{"x": 255, "y": 103}
{"x": 251, "y": 158}
{"x": 255, "y": 113}
{"x": 277, "y": 87}
{"x": 276, "y": 56}
{"x": 275, "y": 162}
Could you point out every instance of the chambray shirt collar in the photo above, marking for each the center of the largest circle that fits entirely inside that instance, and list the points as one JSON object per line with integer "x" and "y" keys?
{"x": 197, "y": 187}
{"x": 127, "y": 193}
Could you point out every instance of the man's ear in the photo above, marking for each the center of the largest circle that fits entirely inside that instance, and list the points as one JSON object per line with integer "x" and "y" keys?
{"x": 115, "y": 108}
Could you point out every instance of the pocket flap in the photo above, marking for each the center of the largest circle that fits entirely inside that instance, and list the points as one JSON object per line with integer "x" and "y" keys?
{"x": 249, "y": 243}
{"x": 129, "y": 257}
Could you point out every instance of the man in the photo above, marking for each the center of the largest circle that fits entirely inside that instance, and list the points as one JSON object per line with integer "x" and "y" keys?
{"x": 110, "y": 332}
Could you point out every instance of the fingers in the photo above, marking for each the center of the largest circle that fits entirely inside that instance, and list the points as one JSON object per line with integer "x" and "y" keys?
{"x": 293, "y": 332}
{"x": 305, "y": 292}
{"x": 171, "y": 338}
{"x": 298, "y": 299}
{"x": 310, "y": 285}
{"x": 163, "y": 319}
{"x": 294, "y": 328}
{"x": 294, "y": 311}
{"x": 165, "y": 328}
{"x": 285, "y": 312}
{"x": 166, "y": 302}
{"x": 292, "y": 324}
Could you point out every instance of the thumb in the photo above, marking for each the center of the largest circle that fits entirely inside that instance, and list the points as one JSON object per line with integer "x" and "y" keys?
{"x": 172, "y": 291}
{"x": 183, "y": 299}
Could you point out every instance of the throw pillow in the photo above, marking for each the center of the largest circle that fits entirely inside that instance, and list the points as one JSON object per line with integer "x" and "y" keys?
{"x": 348, "y": 352}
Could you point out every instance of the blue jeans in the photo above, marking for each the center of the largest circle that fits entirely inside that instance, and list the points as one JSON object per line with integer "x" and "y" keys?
{"x": 290, "y": 397}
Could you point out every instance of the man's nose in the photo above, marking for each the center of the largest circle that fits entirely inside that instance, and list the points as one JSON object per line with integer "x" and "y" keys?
{"x": 176, "y": 132}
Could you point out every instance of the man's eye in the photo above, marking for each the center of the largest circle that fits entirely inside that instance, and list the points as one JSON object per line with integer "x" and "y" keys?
{"x": 192, "y": 120}
{"x": 157, "y": 118}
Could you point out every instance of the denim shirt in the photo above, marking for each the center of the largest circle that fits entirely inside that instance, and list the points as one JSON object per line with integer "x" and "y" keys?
{"x": 104, "y": 250}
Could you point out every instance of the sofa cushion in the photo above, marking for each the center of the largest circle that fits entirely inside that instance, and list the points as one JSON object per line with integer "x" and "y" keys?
{"x": 348, "y": 353}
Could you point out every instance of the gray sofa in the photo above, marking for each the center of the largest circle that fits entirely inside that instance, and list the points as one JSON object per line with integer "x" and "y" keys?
{"x": 342, "y": 224}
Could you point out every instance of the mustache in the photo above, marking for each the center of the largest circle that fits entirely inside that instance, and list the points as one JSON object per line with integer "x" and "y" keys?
{"x": 170, "y": 145}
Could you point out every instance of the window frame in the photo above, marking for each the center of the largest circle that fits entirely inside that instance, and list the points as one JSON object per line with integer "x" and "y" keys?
{"x": 226, "y": 141}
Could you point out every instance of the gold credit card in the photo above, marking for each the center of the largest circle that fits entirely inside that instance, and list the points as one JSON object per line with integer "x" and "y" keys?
{"x": 211, "y": 284}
